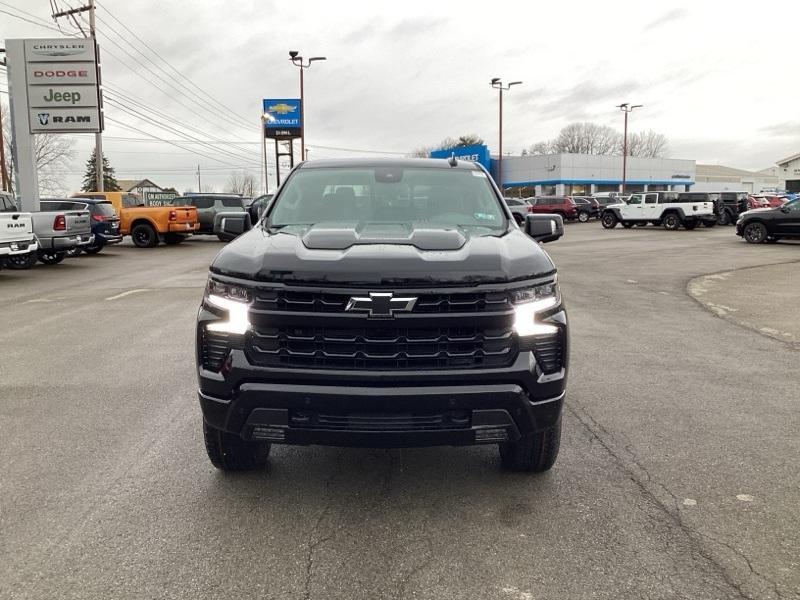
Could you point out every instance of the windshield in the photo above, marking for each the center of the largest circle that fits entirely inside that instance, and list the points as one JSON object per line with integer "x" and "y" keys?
{"x": 418, "y": 197}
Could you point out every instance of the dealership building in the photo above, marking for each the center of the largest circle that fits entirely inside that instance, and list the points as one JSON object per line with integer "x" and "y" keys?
{"x": 579, "y": 174}
{"x": 585, "y": 174}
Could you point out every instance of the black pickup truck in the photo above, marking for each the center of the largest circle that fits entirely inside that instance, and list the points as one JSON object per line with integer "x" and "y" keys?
{"x": 384, "y": 304}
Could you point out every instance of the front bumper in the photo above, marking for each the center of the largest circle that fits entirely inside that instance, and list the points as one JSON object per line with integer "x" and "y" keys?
{"x": 380, "y": 417}
{"x": 381, "y": 408}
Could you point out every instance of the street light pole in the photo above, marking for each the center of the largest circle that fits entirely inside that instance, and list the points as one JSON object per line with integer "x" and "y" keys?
{"x": 626, "y": 107}
{"x": 497, "y": 83}
{"x": 297, "y": 61}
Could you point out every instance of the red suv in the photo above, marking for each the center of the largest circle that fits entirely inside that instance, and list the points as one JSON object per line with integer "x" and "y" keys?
{"x": 560, "y": 205}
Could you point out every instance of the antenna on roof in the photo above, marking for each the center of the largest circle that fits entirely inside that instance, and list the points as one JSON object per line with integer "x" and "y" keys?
{"x": 452, "y": 160}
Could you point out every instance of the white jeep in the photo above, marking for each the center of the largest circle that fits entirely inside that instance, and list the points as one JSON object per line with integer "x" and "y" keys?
{"x": 658, "y": 208}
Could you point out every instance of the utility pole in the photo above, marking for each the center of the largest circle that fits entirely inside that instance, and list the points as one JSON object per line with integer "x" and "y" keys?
{"x": 497, "y": 83}
{"x": 98, "y": 137}
{"x": 4, "y": 173}
{"x": 626, "y": 107}
{"x": 199, "y": 189}
{"x": 297, "y": 61}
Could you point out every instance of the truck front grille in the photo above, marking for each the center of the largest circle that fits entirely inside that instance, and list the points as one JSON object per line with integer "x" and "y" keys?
{"x": 317, "y": 302}
{"x": 347, "y": 421}
{"x": 381, "y": 348}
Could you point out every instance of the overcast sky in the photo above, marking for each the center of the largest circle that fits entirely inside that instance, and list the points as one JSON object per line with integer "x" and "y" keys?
{"x": 719, "y": 79}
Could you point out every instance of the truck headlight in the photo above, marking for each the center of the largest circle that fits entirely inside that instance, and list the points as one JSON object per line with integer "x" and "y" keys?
{"x": 530, "y": 303}
{"x": 235, "y": 300}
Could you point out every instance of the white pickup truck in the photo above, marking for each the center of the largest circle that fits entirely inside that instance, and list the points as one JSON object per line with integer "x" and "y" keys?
{"x": 55, "y": 233}
{"x": 16, "y": 231}
{"x": 658, "y": 208}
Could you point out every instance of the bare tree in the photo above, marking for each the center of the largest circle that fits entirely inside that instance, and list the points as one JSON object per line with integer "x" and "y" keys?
{"x": 647, "y": 144}
{"x": 420, "y": 152}
{"x": 52, "y": 153}
{"x": 591, "y": 138}
{"x": 542, "y": 148}
{"x": 241, "y": 182}
{"x": 586, "y": 138}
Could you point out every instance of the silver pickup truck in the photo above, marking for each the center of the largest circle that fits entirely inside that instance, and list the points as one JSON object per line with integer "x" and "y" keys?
{"x": 16, "y": 232}
{"x": 56, "y": 232}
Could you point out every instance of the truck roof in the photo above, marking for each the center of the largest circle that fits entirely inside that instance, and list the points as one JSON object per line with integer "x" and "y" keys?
{"x": 370, "y": 163}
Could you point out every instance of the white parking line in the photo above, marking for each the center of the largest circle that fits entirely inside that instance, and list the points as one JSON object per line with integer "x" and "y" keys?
{"x": 128, "y": 293}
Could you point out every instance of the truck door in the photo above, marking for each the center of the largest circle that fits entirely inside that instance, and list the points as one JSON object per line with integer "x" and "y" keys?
{"x": 650, "y": 210}
{"x": 633, "y": 210}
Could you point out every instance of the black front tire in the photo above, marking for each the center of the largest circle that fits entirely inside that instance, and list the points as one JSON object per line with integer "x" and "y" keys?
{"x": 755, "y": 233}
{"x": 724, "y": 218}
{"x": 583, "y": 217}
{"x": 229, "y": 452}
{"x": 144, "y": 236}
{"x": 50, "y": 257}
{"x": 533, "y": 452}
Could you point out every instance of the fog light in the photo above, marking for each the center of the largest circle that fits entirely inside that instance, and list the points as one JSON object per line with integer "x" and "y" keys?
{"x": 491, "y": 434}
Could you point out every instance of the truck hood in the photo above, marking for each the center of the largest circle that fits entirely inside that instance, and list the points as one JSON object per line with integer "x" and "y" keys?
{"x": 381, "y": 254}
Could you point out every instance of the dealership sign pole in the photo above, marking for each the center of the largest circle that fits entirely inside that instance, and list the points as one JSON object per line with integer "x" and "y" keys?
{"x": 53, "y": 88}
{"x": 283, "y": 121}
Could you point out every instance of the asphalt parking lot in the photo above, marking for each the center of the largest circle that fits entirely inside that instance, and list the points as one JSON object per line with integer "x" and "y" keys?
{"x": 677, "y": 477}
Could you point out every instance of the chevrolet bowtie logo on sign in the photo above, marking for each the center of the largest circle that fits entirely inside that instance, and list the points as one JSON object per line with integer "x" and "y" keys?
{"x": 281, "y": 109}
{"x": 381, "y": 305}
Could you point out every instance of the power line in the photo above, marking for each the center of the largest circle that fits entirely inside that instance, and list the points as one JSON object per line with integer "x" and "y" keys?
{"x": 166, "y": 62}
{"x": 154, "y": 73}
{"x": 114, "y": 98}
{"x": 173, "y": 143}
{"x": 136, "y": 114}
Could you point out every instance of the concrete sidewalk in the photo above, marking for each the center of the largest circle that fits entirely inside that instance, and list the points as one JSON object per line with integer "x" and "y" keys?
{"x": 765, "y": 298}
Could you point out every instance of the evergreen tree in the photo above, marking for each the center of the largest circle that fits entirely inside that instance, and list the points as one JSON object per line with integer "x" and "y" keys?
{"x": 109, "y": 179}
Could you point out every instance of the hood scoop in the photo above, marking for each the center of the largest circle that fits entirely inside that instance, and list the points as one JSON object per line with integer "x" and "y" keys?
{"x": 332, "y": 236}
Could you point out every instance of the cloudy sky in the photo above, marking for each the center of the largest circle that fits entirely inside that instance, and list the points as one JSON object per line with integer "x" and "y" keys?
{"x": 719, "y": 79}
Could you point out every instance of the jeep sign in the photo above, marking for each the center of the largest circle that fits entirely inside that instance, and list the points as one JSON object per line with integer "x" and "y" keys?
{"x": 63, "y": 96}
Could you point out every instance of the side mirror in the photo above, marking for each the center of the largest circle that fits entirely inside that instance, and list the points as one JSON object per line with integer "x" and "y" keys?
{"x": 231, "y": 223}
{"x": 544, "y": 228}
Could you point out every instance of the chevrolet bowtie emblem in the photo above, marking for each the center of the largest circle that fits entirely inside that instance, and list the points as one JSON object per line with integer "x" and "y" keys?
{"x": 381, "y": 304}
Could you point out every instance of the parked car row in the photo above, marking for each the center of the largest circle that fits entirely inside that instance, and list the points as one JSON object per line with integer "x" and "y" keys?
{"x": 45, "y": 235}
{"x": 90, "y": 221}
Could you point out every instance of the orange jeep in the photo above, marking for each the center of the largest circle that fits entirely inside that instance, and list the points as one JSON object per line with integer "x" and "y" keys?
{"x": 147, "y": 225}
